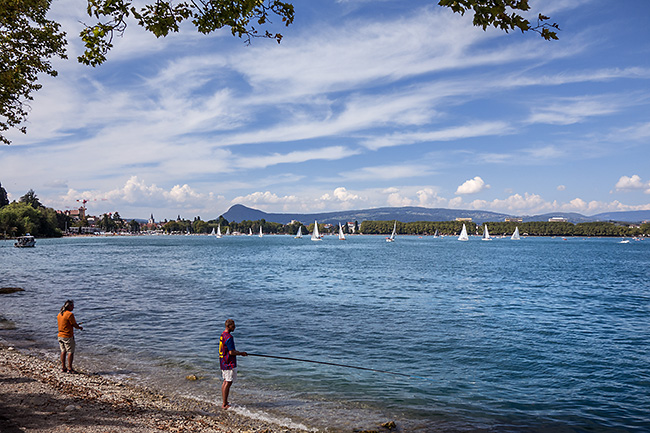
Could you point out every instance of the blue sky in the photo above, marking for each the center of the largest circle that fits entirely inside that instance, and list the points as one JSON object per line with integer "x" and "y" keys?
{"x": 364, "y": 104}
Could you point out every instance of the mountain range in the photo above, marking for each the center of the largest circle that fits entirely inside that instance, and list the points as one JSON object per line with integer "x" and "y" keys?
{"x": 238, "y": 213}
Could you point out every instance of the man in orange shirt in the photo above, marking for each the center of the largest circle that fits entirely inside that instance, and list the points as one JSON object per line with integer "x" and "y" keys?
{"x": 67, "y": 323}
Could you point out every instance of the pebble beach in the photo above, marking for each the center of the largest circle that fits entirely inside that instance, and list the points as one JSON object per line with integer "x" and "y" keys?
{"x": 36, "y": 396}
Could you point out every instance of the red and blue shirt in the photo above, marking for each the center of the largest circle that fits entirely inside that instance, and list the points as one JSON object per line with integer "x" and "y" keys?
{"x": 226, "y": 344}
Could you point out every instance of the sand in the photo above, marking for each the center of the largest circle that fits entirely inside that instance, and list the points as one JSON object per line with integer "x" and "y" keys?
{"x": 35, "y": 396}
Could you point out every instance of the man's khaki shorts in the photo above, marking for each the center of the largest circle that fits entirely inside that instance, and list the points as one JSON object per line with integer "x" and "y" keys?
{"x": 66, "y": 344}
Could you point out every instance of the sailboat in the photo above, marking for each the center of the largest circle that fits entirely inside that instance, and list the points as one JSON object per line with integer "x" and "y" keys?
{"x": 299, "y": 235}
{"x": 261, "y": 234}
{"x": 250, "y": 231}
{"x": 486, "y": 234}
{"x": 341, "y": 234}
{"x": 436, "y": 234}
{"x": 228, "y": 231}
{"x": 463, "y": 234}
{"x": 515, "y": 235}
{"x": 218, "y": 231}
{"x": 392, "y": 235}
{"x": 212, "y": 233}
{"x": 315, "y": 236}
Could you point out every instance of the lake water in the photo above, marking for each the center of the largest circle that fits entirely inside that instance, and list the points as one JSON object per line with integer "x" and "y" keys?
{"x": 536, "y": 335}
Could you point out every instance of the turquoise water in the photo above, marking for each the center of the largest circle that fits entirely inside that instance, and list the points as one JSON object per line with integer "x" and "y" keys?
{"x": 533, "y": 335}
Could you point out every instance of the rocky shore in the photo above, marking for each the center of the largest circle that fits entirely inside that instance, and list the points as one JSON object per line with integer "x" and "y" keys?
{"x": 35, "y": 396}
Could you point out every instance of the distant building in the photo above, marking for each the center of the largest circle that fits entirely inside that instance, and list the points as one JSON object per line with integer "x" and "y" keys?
{"x": 351, "y": 227}
{"x": 76, "y": 214}
{"x": 468, "y": 220}
{"x": 514, "y": 220}
{"x": 557, "y": 220}
{"x": 151, "y": 221}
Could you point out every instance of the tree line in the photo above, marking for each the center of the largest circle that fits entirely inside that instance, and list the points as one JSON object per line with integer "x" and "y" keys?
{"x": 533, "y": 228}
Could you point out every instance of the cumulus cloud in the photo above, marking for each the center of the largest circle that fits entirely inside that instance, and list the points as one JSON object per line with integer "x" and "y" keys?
{"x": 340, "y": 194}
{"x": 634, "y": 182}
{"x": 397, "y": 200}
{"x": 137, "y": 192}
{"x": 561, "y": 188}
{"x": 264, "y": 198}
{"x": 472, "y": 186}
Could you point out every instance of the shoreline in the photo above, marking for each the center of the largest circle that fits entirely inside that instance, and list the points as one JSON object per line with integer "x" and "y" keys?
{"x": 37, "y": 397}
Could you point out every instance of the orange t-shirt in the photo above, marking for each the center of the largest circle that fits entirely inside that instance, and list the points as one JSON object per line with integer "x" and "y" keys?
{"x": 66, "y": 324}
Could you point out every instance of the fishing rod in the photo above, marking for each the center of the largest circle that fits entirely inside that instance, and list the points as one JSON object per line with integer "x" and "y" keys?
{"x": 339, "y": 365}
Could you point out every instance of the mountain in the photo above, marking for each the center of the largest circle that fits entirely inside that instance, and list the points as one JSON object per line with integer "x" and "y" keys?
{"x": 238, "y": 213}
{"x": 635, "y": 216}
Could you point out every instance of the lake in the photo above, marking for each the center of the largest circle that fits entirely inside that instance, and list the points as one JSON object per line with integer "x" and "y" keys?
{"x": 535, "y": 335}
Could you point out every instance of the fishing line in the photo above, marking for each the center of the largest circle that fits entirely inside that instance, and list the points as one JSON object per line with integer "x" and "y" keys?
{"x": 92, "y": 319}
{"x": 340, "y": 365}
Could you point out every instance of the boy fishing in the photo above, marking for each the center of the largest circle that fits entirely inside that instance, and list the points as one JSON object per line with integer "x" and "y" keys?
{"x": 228, "y": 360}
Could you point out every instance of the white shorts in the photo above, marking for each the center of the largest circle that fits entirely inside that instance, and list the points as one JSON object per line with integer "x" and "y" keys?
{"x": 229, "y": 375}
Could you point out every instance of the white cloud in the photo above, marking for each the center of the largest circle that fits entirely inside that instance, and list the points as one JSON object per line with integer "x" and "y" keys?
{"x": 388, "y": 172}
{"x": 561, "y": 188}
{"x": 263, "y": 199}
{"x": 298, "y": 156}
{"x": 566, "y": 111}
{"x": 448, "y": 134}
{"x": 472, "y": 186}
{"x": 634, "y": 182}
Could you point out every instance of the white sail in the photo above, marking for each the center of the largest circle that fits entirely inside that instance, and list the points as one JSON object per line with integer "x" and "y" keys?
{"x": 250, "y": 231}
{"x": 436, "y": 234}
{"x": 315, "y": 236}
{"x": 219, "y": 231}
{"x": 213, "y": 232}
{"x": 515, "y": 235}
{"x": 463, "y": 234}
{"x": 392, "y": 235}
{"x": 228, "y": 231}
{"x": 341, "y": 234}
{"x": 486, "y": 234}
{"x": 261, "y": 234}
{"x": 299, "y": 235}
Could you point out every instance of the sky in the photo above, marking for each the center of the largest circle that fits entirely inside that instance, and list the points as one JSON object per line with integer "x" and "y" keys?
{"x": 364, "y": 104}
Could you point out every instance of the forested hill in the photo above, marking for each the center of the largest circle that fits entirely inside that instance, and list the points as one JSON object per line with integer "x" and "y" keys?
{"x": 238, "y": 213}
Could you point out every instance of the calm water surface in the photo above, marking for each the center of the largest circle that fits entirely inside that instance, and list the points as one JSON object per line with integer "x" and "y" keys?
{"x": 536, "y": 335}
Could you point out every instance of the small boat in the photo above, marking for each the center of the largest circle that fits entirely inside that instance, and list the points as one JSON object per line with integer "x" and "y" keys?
{"x": 436, "y": 234}
{"x": 463, "y": 234}
{"x": 392, "y": 235}
{"x": 26, "y": 241}
{"x": 299, "y": 235}
{"x": 315, "y": 236}
{"x": 250, "y": 231}
{"x": 515, "y": 235}
{"x": 228, "y": 231}
{"x": 624, "y": 241}
{"x": 261, "y": 234}
{"x": 218, "y": 235}
{"x": 486, "y": 234}
{"x": 213, "y": 233}
{"x": 341, "y": 234}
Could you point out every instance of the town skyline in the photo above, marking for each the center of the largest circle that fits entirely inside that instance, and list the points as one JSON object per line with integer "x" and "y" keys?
{"x": 359, "y": 107}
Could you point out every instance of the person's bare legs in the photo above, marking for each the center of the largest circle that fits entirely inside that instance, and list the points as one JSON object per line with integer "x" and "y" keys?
{"x": 225, "y": 390}
{"x": 70, "y": 359}
{"x": 63, "y": 367}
